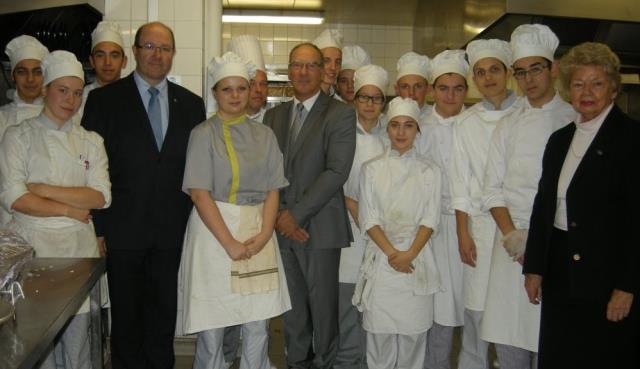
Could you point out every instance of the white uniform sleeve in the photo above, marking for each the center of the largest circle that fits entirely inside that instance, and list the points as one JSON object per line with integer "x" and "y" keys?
{"x": 98, "y": 174}
{"x": 352, "y": 185}
{"x": 433, "y": 183}
{"x": 368, "y": 211}
{"x": 13, "y": 167}
{"x": 495, "y": 170}
{"x": 459, "y": 173}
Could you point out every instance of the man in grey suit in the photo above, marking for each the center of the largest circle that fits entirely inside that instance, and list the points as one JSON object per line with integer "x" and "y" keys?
{"x": 317, "y": 135}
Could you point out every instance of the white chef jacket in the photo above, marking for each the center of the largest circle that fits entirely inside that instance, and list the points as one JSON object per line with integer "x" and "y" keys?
{"x": 368, "y": 146}
{"x": 471, "y": 138}
{"x": 258, "y": 116}
{"x": 10, "y": 115}
{"x": 514, "y": 166}
{"x": 399, "y": 194}
{"x": 38, "y": 151}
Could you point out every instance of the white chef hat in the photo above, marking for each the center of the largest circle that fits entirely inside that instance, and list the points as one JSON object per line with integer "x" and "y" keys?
{"x": 227, "y": 65}
{"x": 329, "y": 38}
{"x": 404, "y": 106}
{"x": 371, "y": 75}
{"x": 354, "y": 57}
{"x": 533, "y": 40}
{"x": 24, "y": 47}
{"x": 61, "y": 63}
{"x": 106, "y": 32}
{"x": 248, "y": 48}
{"x": 449, "y": 61}
{"x": 413, "y": 63}
{"x": 493, "y": 48}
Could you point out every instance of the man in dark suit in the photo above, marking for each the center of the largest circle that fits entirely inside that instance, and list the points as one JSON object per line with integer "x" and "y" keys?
{"x": 317, "y": 136}
{"x": 145, "y": 121}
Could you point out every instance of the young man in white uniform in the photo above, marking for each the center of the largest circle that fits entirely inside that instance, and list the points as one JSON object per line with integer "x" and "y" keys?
{"x": 330, "y": 44}
{"x": 448, "y": 77}
{"x": 353, "y": 57}
{"x": 490, "y": 61}
{"x": 412, "y": 81}
{"x": 25, "y": 55}
{"x": 107, "y": 57}
{"x": 513, "y": 169}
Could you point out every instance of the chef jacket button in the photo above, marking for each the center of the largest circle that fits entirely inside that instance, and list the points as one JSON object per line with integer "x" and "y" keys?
{"x": 573, "y": 224}
{"x": 576, "y": 257}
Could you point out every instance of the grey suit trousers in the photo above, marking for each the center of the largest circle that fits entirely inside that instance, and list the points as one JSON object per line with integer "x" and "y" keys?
{"x": 311, "y": 326}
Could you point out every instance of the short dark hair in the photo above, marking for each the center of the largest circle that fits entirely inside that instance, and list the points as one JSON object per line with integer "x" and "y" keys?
{"x": 308, "y": 44}
{"x": 141, "y": 28}
{"x": 466, "y": 86}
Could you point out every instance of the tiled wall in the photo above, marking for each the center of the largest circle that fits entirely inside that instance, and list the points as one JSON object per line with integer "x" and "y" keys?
{"x": 385, "y": 44}
{"x": 183, "y": 16}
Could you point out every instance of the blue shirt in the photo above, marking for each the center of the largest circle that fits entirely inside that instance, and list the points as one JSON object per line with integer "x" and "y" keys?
{"x": 163, "y": 98}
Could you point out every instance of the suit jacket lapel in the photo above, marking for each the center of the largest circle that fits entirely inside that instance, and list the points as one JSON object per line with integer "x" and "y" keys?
{"x": 141, "y": 114}
{"x": 174, "y": 116}
{"x": 311, "y": 122}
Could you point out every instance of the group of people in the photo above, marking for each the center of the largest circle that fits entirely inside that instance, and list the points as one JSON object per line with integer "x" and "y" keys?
{"x": 373, "y": 231}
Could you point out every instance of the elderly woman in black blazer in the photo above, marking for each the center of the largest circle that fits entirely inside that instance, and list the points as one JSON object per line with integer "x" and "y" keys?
{"x": 582, "y": 255}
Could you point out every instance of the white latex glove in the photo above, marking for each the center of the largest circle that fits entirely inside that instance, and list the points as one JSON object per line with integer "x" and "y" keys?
{"x": 515, "y": 242}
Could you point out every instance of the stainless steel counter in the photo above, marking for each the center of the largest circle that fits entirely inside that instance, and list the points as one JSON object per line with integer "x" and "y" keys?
{"x": 54, "y": 289}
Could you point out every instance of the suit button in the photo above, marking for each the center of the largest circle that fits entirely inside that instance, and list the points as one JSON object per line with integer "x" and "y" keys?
{"x": 573, "y": 224}
{"x": 576, "y": 257}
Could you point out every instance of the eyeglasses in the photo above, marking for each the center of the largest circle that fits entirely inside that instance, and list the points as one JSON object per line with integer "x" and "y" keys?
{"x": 374, "y": 99}
{"x": 533, "y": 71}
{"x": 311, "y": 67}
{"x": 149, "y": 47}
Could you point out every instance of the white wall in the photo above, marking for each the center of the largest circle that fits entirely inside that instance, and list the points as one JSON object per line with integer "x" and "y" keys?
{"x": 183, "y": 16}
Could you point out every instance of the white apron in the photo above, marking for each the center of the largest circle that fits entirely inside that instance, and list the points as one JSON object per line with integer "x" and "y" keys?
{"x": 205, "y": 300}
{"x": 56, "y": 162}
{"x": 393, "y": 302}
{"x": 509, "y": 318}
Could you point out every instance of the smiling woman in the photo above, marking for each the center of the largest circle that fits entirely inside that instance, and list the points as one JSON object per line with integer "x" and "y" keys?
{"x": 581, "y": 258}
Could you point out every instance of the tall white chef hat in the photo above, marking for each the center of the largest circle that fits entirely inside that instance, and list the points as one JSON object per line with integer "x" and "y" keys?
{"x": 449, "y": 61}
{"x": 493, "y": 48}
{"x": 248, "y": 48}
{"x": 354, "y": 57}
{"x": 404, "y": 106}
{"x": 24, "y": 47}
{"x": 371, "y": 75}
{"x": 227, "y": 65}
{"x": 61, "y": 63}
{"x": 329, "y": 38}
{"x": 106, "y": 32}
{"x": 413, "y": 63}
{"x": 533, "y": 40}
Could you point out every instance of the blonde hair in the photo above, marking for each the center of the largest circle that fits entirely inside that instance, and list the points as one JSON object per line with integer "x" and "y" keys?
{"x": 591, "y": 53}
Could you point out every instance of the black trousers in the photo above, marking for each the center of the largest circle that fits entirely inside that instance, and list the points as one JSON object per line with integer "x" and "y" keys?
{"x": 143, "y": 287}
{"x": 575, "y": 333}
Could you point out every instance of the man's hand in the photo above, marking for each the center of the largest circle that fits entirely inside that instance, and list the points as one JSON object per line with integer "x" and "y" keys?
{"x": 533, "y": 285}
{"x": 287, "y": 227}
{"x": 102, "y": 246}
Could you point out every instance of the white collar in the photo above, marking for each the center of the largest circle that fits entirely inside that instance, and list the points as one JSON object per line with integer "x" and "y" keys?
{"x": 308, "y": 103}
{"x": 594, "y": 124}
{"x": 552, "y": 104}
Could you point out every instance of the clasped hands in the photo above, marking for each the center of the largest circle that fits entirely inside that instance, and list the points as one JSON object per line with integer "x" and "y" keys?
{"x": 245, "y": 250}
{"x": 287, "y": 227}
{"x": 402, "y": 261}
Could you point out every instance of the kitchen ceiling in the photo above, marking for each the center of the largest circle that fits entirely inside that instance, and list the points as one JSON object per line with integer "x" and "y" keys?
{"x": 382, "y": 12}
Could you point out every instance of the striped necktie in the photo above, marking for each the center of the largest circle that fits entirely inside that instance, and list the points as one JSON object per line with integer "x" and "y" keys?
{"x": 155, "y": 118}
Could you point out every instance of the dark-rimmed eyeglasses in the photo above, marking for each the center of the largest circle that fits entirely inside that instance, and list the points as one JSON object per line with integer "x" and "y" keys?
{"x": 533, "y": 71}
{"x": 374, "y": 99}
